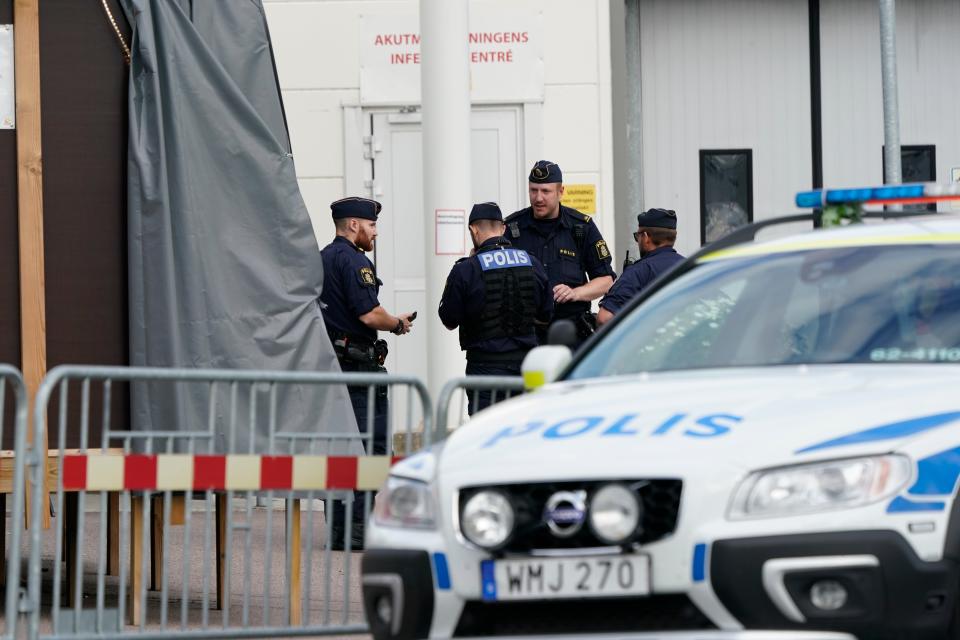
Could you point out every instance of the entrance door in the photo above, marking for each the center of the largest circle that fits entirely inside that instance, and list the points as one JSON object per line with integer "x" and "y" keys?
{"x": 398, "y": 183}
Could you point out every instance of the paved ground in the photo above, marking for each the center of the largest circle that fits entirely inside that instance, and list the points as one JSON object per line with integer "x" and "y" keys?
{"x": 332, "y": 584}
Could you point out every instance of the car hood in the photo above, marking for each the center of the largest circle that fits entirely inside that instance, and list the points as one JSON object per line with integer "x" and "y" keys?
{"x": 674, "y": 422}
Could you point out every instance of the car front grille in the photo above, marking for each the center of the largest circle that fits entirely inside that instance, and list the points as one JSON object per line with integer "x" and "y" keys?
{"x": 660, "y": 499}
{"x": 665, "y": 612}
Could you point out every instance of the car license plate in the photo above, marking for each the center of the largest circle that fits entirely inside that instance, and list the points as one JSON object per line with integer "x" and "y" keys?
{"x": 583, "y": 577}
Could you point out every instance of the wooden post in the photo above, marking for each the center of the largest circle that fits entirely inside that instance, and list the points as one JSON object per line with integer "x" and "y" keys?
{"x": 223, "y": 598}
{"x": 3, "y": 537}
{"x": 70, "y": 519}
{"x": 33, "y": 317}
{"x": 296, "y": 610}
{"x": 156, "y": 543}
{"x": 113, "y": 535}
{"x": 136, "y": 558}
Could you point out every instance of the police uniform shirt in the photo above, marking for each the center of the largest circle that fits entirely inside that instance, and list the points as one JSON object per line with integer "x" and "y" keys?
{"x": 556, "y": 247}
{"x": 350, "y": 288}
{"x": 637, "y": 276}
{"x": 463, "y": 298}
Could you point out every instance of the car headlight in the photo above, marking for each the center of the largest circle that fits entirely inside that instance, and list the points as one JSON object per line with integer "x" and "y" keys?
{"x": 487, "y": 519}
{"x": 837, "y": 484}
{"x": 405, "y": 503}
{"x": 614, "y": 514}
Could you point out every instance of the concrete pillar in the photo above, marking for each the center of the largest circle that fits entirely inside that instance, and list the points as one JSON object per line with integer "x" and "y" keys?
{"x": 445, "y": 86}
{"x": 634, "y": 122}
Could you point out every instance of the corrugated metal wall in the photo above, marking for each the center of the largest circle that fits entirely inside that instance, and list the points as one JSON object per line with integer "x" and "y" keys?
{"x": 721, "y": 75}
{"x": 928, "y": 52}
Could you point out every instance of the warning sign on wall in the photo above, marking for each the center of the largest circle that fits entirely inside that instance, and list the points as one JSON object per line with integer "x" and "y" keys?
{"x": 582, "y": 197}
{"x": 450, "y": 226}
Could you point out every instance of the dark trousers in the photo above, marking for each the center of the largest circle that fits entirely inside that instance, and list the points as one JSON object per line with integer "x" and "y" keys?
{"x": 360, "y": 399}
{"x": 478, "y": 400}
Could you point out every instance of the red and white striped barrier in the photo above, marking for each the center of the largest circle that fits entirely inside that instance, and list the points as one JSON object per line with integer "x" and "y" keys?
{"x": 175, "y": 472}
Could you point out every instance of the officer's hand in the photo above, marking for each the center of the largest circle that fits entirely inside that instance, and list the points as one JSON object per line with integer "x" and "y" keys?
{"x": 562, "y": 293}
{"x": 407, "y": 323}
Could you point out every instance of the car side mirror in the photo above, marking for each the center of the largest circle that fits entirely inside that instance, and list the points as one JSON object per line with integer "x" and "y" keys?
{"x": 563, "y": 332}
{"x": 543, "y": 365}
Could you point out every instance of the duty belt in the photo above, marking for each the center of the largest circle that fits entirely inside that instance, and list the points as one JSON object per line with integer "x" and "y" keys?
{"x": 495, "y": 357}
{"x": 360, "y": 350}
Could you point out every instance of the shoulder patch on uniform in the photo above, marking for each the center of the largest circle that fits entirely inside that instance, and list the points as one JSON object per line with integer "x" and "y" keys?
{"x": 367, "y": 277}
{"x": 602, "y": 252}
{"x": 584, "y": 217}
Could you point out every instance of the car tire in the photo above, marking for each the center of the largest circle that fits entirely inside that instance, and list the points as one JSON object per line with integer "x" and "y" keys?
{"x": 953, "y": 631}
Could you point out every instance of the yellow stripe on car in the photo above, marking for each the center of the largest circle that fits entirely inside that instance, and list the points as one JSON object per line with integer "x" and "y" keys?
{"x": 812, "y": 244}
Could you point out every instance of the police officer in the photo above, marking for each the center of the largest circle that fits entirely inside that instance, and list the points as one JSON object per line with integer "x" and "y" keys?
{"x": 353, "y": 315}
{"x": 496, "y": 297}
{"x": 655, "y": 235}
{"x": 567, "y": 242}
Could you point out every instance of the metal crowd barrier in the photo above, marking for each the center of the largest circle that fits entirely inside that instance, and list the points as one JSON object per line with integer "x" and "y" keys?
{"x": 500, "y": 388}
{"x": 11, "y": 377}
{"x": 173, "y": 484}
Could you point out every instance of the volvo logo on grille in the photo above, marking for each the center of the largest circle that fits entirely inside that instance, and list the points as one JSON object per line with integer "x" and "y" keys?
{"x": 565, "y": 512}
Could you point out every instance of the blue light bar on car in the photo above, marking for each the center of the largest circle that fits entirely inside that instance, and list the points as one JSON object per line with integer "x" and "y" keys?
{"x": 887, "y": 194}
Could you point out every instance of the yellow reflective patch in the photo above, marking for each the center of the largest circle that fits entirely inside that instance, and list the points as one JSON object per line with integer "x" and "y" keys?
{"x": 533, "y": 380}
{"x": 812, "y": 244}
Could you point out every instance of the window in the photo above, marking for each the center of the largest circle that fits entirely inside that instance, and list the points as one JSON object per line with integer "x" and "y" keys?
{"x": 851, "y": 305}
{"x": 918, "y": 164}
{"x": 726, "y": 192}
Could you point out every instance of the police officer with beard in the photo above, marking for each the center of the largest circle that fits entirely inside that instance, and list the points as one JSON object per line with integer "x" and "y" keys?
{"x": 655, "y": 235}
{"x": 353, "y": 315}
{"x": 496, "y": 297}
{"x": 567, "y": 243}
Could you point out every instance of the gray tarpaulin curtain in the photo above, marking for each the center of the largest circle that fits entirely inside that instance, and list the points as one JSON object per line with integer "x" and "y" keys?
{"x": 225, "y": 271}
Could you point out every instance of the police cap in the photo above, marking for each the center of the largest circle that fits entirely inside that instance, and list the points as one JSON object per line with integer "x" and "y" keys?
{"x": 355, "y": 208}
{"x": 486, "y": 211}
{"x": 663, "y": 218}
{"x": 546, "y": 172}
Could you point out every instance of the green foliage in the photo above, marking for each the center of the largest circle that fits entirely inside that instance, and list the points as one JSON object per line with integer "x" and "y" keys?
{"x": 837, "y": 215}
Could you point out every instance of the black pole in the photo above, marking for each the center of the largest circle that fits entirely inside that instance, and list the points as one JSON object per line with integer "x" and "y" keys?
{"x": 816, "y": 125}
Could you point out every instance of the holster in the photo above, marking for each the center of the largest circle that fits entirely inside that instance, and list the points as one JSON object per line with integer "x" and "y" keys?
{"x": 372, "y": 354}
{"x": 586, "y": 324}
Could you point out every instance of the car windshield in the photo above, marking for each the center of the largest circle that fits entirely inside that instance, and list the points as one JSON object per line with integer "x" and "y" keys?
{"x": 892, "y": 304}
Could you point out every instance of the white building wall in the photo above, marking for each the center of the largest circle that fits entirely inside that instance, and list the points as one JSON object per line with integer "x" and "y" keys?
{"x": 317, "y": 47}
{"x": 724, "y": 74}
{"x": 928, "y": 48}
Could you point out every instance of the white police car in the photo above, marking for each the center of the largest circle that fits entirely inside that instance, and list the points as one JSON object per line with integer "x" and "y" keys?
{"x": 769, "y": 439}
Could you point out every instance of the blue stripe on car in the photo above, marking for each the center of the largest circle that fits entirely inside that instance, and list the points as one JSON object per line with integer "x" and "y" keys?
{"x": 890, "y": 431}
{"x": 488, "y": 580}
{"x": 902, "y": 505}
{"x": 699, "y": 562}
{"x": 937, "y": 475}
{"x": 442, "y": 571}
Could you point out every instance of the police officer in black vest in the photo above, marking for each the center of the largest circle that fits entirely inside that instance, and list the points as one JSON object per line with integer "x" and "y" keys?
{"x": 568, "y": 243}
{"x": 655, "y": 235}
{"x": 496, "y": 297}
{"x": 353, "y": 316}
